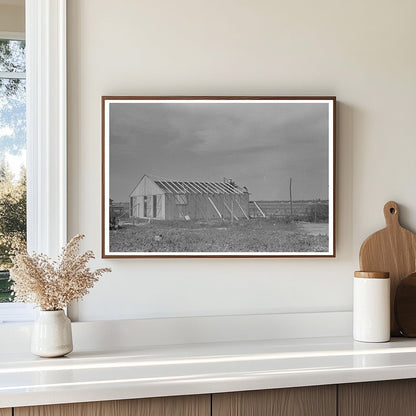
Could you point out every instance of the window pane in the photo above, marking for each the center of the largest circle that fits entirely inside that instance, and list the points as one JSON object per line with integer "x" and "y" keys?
{"x": 12, "y": 159}
{"x": 13, "y": 121}
{"x": 12, "y": 56}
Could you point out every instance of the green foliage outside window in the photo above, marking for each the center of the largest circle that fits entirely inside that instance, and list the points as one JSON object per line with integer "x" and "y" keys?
{"x": 12, "y": 151}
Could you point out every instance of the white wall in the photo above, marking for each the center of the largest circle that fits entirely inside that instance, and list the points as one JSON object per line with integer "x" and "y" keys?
{"x": 361, "y": 51}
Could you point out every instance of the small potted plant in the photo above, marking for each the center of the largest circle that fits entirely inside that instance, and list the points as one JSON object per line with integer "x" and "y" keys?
{"x": 51, "y": 286}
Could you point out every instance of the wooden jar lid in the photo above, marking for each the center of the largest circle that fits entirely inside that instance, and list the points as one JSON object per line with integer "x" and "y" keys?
{"x": 372, "y": 275}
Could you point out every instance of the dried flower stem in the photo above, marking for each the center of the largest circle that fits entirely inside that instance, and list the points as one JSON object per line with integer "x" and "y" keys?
{"x": 53, "y": 285}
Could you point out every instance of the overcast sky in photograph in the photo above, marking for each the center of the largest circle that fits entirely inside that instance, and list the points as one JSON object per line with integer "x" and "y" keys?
{"x": 259, "y": 145}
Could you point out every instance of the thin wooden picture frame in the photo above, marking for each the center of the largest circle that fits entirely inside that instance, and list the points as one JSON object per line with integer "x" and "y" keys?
{"x": 218, "y": 176}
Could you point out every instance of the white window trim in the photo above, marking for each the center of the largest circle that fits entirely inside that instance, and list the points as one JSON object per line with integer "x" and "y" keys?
{"x": 12, "y": 75}
{"x": 46, "y": 125}
{"x": 12, "y": 35}
{"x": 46, "y": 134}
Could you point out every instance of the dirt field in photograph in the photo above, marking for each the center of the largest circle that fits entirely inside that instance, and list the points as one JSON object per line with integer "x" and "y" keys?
{"x": 254, "y": 235}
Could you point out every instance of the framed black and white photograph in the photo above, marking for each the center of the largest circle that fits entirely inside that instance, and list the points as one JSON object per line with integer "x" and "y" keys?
{"x": 218, "y": 176}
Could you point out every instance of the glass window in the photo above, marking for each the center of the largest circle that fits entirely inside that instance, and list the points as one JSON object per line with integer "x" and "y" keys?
{"x": 12, "y": 156}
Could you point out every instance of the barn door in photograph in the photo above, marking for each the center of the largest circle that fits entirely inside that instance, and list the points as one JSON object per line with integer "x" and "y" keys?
{"x": 154, "y": 206}
{"x": 145, "y": 207}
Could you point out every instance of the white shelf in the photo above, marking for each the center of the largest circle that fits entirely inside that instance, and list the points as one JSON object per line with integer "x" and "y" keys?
{"x": 148, "y": 371}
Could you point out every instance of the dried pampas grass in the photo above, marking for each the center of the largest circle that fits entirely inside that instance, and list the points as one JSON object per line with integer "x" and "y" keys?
{"x": 52, "y": 285}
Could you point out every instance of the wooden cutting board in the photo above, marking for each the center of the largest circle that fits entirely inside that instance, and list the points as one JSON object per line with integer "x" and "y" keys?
{"x": 393, "y": 250}
{"x": 405, "y": 306}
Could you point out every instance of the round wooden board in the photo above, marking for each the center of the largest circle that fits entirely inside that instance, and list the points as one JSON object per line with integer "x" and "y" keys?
{"x": 392, "y": 250}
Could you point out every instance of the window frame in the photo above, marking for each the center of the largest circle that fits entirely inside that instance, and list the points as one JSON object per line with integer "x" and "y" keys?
{"x": 46, "y": 121}
{"x": 12, "y": 35}
{"x": 46, "y": 125}
{"x": 14, "y": 312}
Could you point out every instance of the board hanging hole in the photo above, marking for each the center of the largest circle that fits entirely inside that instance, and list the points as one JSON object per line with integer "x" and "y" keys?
{"x": 392, "y": 210}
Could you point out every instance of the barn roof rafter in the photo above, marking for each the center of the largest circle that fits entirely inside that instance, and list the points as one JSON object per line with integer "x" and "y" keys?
{"x": 199, "y": 187}
{"x": 194, "y": 188}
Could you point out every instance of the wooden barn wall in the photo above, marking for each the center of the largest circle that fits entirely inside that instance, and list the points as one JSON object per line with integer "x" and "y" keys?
{"x": 200, "y": 208}
{"x": 170, "y": 207}
{"x": 160, "y": 208}
{"x": 146, "y": 187}
{"x": 163, "y": 207}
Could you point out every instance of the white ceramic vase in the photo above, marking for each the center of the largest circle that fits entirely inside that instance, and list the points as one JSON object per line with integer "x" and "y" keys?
{"x": 52, "y": 334}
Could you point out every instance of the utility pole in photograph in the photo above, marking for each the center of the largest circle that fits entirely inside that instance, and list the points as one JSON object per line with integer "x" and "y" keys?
{"x": 290, "y": 193}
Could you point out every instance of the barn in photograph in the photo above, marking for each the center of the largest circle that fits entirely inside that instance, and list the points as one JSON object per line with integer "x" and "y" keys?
{"x": 188, "y": 200}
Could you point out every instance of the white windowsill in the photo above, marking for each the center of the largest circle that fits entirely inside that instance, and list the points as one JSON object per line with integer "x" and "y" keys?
{"x": 16, "y": 313}
{"x": 186, "y": 330}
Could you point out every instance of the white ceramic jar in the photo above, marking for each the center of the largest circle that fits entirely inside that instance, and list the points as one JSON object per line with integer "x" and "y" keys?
{"x": 371, "y": 307}
{"x": 52, "y": 334}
